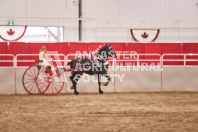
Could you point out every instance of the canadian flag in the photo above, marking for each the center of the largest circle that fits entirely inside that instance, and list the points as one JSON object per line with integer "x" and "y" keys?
{"x": 144, "y": 35}
{"x": 12, "y": 33}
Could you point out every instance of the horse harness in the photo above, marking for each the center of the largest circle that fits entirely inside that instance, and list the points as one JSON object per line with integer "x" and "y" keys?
{"x": 96, "y": 59}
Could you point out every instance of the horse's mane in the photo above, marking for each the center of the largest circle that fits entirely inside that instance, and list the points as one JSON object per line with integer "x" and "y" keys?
{"x": 103, "y": 48}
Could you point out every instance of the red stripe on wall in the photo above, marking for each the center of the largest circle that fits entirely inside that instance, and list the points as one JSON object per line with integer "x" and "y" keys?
{"x": 72, "y": 47}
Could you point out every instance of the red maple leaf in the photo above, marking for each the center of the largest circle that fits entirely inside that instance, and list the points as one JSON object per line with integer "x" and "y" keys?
{"x": 10, "y": 32}
{"x": 144, "y": 35}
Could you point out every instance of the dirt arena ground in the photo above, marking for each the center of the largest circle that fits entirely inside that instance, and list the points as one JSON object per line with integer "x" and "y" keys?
{"x": 111, "y": 112}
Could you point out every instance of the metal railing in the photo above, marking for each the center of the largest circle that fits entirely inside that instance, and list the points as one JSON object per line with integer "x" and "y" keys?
{"x": 136, "y": 58}
{"x": 83, "y": 55}
{"x": 184, "y": 60}
{"x": 10, "y": 60}
{"x": 74, "y": 55}
{"x": 33, "y": 60}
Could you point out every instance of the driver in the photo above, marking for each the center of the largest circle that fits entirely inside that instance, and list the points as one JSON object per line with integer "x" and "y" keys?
{"x": 44, "y": 58}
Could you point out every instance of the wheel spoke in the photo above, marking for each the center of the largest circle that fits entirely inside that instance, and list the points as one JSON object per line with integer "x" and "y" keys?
{"x": 29, "y": 75}
{"x": 57, "y": 85}
{"x": 31, "y": 71}
{"x": 35, "y": 71}
{"x": 30, "y": 85}
{"x": 28, "y": 82}
{"x": 34, "y": 88}
{"x": 51, "y": 87}
{"x": 55, "y": 88}
{"x": 42, "y": 86}
{"x": 28, "y": 78}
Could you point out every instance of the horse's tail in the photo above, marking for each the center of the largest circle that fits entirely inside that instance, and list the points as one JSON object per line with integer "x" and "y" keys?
{"x": 72, "y": 64}
{"x": 69, "y": 63}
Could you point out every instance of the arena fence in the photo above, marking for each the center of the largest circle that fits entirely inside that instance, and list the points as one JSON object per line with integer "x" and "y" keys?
{"x": 21, "y": 60}
{"x": 137, "y": 59}
{"x": 7, "y": 58}
{"x": 69, "y": 57}
{"x": 183, "y": 59}
{"x": 172, "y": 77}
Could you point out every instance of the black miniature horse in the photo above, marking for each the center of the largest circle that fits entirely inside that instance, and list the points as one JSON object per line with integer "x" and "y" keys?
{"x": 91, "y": 67}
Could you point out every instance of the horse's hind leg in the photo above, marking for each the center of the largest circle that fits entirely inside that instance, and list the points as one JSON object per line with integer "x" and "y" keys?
{"x": 99, "y": 83}
{"x": 108, "y": 80}
{"x": 72, "y": 80}
{"x": 77, "y": 77}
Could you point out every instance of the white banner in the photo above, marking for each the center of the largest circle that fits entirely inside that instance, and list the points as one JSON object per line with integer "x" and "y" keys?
{"x": 12, "y": 33}
{"x": 145, "y": 35}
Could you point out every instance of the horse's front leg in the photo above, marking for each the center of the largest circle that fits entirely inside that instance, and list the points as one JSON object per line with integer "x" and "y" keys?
{"x": 99, "y": 84}
{"x": 108, "y": 80}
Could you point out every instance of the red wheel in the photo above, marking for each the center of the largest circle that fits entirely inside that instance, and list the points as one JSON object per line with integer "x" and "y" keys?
{"x": 29, "y": 80}
{"x": 53, "y": 84}
{"x": 43, "y": 76}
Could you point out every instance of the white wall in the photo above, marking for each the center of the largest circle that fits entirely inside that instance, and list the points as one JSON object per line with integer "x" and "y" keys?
{"x": 7, "y": 80}
{"x": 42, "y": 8}
{"x": 108, "y": 13}
{"x": 179, "y": 78}
{"x": 172, "y": 78}
{"x": 140, "y": 13}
